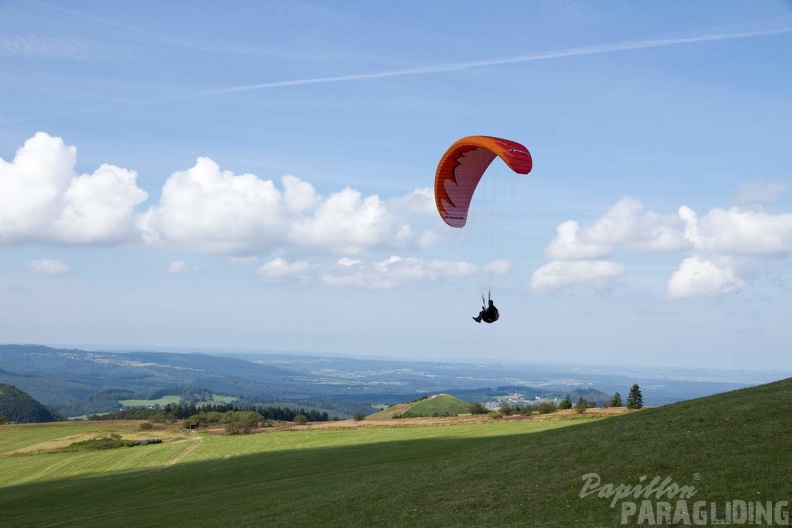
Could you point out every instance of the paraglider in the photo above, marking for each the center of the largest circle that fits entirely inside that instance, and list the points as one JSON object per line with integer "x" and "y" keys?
{"x": 459, "y": 173}
{"x": 489, "y": 314}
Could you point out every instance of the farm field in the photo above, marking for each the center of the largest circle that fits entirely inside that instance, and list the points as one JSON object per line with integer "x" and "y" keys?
{"x": 480, "y": 472}
{"x": 165, "y": 400}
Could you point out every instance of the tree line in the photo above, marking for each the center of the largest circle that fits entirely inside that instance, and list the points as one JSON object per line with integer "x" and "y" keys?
{"x": 634, "y": 401}
{"x": 182, "y": 411}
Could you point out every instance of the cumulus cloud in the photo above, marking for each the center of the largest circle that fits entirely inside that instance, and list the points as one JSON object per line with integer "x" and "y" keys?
{"x": 624, "y": 223}
{"x": 394, "y": 272}
{"x": 720, "y": 234}
{"x": 349, "y": 222}
{"x": 180, "y": 267}
{"x": 570, "y": 243}
{"x": 203, "y": 209}
{"x": 420, "y": 201}
{"x": 739, "y": 231}
{"x": 43, "y": 199}
{"x": 697, "y": 277}
{"x": 48, "y": 267}
{"x": 206, "y": 209}
{"x": 596, "y": 274}
{"x": 211, "y": 210}
{"x": 278, "y": 270}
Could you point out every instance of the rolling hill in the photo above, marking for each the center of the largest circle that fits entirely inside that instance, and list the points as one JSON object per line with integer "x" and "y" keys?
{"x": 436, "y": 405}
{"x": 19, "y": 407}
{"x": 731, "y": 450}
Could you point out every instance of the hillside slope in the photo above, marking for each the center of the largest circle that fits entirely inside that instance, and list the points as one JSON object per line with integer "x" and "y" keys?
{"x": 19, "y": 407}
{"x": 731, "y": 449}
{"x": 438, "y": 405}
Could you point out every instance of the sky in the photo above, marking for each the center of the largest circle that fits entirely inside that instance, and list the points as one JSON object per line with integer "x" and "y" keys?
{"x": 259, "y": 176}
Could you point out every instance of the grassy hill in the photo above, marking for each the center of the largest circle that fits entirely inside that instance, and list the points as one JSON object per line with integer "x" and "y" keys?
{"x": 388, "y": 414}
{"x": 731, "y": 447}
{"x": 437, "y": 405}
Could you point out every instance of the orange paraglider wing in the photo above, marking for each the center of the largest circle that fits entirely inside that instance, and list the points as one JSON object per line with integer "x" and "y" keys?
{"x": 462, "y": 166}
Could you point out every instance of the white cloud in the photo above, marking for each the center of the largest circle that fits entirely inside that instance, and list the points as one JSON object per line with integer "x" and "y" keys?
{"x": 48, "y": 267}
{"x": 347, "y": 222}
{"x": 739, "y": 231}
{"x": 420, "y": 201}
{"x": 570, "y": 244}
{"x": 394, "y": 272}
{"x": 202, "y": 209}
{"x": 700, "y": 277}
{"x": 597, "y": 274}
{"x": 279, "y": 269}
{"x": 721, "y": 233}
{"x": 42, "y": 199}
{"x": 180, "y": 267}
{"x": 759, "y": 192}
{"x": 207, "y": 209}
{"x": 623, "y": 223}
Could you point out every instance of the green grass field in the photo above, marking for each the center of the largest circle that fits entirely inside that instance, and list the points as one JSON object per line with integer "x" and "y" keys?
{"x": 440, "y": 405}
{"x": 729, "y": 447}
{"x": 165, "y": 400}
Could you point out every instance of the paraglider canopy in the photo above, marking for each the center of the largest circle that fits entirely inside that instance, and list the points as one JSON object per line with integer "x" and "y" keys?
{"x": 462, "y": 166}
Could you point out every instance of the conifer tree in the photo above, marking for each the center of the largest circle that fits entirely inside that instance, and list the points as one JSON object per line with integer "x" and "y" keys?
{"x": 616, "y": 401}
{"x": 635, "y": 399}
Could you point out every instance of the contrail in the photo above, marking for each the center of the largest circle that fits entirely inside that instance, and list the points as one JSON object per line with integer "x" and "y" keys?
{"x": 545, "y": 55}
{"x": 781, "y": 25}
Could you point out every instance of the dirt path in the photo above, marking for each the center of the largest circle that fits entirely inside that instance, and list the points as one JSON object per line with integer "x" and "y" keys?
{"x": 181, "y": 454}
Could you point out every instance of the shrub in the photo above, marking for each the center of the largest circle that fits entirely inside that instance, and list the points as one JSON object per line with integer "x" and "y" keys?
{"x": 505, "y": 409}
{"x": 546, "y": 408}
{"x": 301, "y": 419}
{"x": 146, "y": 426}
{"x": 477, "y": 408}
{"x": 359, "y": 416}
{"x": 495, "y": 415}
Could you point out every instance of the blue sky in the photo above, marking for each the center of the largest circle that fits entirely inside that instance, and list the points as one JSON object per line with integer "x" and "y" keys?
{"x": 258, "y": 175}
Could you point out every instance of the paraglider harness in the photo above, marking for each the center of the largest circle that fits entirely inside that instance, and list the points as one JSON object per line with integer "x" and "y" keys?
{"x": 490, "y": 313}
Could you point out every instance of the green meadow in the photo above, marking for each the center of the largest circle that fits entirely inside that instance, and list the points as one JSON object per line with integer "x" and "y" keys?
{"x": 165, "y": 400}
{"x": 729, "y": 447}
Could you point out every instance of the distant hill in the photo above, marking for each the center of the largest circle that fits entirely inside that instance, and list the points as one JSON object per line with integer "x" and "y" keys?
{"x": 437, "y": 405}
{"x": 77, "y": 382}
{"x": 19, "y": 407}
